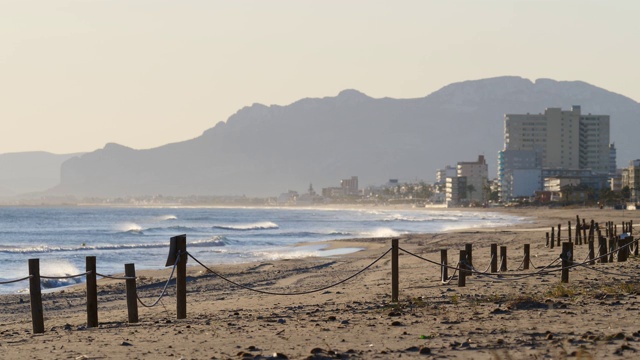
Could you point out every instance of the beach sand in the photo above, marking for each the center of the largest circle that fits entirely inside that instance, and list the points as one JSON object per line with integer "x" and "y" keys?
{"x": 594, "y": 316}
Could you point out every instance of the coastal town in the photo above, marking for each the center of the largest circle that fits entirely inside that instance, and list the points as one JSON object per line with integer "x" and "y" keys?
{"x": 559, "y": 156}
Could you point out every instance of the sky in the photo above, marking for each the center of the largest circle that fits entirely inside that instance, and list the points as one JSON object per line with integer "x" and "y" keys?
{"x": 76, "y": 75}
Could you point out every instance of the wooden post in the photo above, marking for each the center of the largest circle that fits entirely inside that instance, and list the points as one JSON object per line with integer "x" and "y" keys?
{"x": 527, "y": 257}
{"x": 132, "y": 292}
{"x": 578, "y": 237}
{"x": 394, "y": 270}
{"x": 553, "y": 237}
{"x": 181, "y": 276}
{"x": 444, "y": 270}
{"x": 547, "y": 243}
{"x": 623, "y": 249}
{"x": 35, "y": 294}
{"x": 503, "y": 258}
{"x": 468, "y": 248}
{"x": 569, "y": 230}
{"x": 602, "y": 244}
{"x": 584, "y": 231}
{"x": 559, "y": 231}
{"x": 612, "y": 248}
{"x": 631, "y": 227}
{"x": 462, "y": 273}
{"x": 635, "y": 247}
{"x": 592, "y": 253}
{"x": 494, "y": 258}
{"x": 92, "y": 292}
{"x": 567, "y": 260}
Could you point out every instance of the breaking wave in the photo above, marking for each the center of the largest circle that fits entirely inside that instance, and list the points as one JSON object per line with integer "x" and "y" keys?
{"x": 214, "y": 241}
{"x": 264, "y": 225}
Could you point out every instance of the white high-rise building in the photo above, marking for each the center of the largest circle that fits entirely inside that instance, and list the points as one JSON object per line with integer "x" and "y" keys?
{"x": 561, "y": 139}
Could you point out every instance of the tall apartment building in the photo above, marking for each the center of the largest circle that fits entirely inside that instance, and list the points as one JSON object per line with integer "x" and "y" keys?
{"x": 560, "y": 139}
{"x": 476, "y": 175}
{"x": 350, "y": 186}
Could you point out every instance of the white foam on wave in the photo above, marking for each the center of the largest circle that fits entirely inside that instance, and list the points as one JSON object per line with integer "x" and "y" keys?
{"x": 129, "y": 227}
{"x": 380, "y": 232}
{"x": 167, "y": 217}
{"x": 263, "y": 225}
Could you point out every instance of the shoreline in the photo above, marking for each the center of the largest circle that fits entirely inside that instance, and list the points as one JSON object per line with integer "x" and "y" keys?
{"x": 355, "y": 319}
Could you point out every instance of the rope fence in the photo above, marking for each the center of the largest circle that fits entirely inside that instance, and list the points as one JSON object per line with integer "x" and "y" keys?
{"x": 611, "y": 246}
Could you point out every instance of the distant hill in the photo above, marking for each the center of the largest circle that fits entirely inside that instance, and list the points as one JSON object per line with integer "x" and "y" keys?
{"x": 26, "y": 172}
{"x": 264, "y": 150}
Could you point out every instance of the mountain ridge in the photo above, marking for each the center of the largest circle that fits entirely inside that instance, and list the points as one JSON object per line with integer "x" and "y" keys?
{"x": 264, "y": 150}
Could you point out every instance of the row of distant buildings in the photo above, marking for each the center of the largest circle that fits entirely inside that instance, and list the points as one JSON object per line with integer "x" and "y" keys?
{"x": 543, "y": 153}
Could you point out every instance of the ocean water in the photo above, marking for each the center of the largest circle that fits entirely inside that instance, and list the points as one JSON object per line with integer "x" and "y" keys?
{"x": 62, "y": 237}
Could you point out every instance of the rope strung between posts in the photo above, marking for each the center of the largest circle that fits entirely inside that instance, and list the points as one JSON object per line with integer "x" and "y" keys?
{"x": 490, "y": 261}
{"x": 65, "y": 276}
{"x": 513, "y": 277}
{"x": 445, "y": 282}
{"x": 16, "y": 280}
{"x": 164, "y": 289}
{"x": 608, "y": 272}
{"x": 293, "y": 293}
{"x": 456, "y": 268}
{"x": 520, "y": 267}
{"x": 116, "y": 277}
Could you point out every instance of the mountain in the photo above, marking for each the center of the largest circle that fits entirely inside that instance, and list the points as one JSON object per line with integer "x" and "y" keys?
{"x": 264, "y": 150}
{"x": 26, "y": 172}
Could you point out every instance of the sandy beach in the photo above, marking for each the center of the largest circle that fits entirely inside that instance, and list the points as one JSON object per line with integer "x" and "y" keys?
{"x": 594, "y": 316}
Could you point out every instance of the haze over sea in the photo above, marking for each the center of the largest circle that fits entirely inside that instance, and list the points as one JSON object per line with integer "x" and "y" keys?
{"x": 62, "y": 237}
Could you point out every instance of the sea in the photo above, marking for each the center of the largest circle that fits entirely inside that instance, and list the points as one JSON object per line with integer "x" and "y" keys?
{"x": 62, "y": 237}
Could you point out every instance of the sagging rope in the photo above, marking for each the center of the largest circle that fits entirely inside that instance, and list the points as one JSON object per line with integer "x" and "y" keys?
{"x": 15, "y": 280}
{"x": 293, "y": 293}
{"x": 456, "y": 268}
{"x": 445, "y": 282}
{"x": 65, "y": 276}
{"x": 116, "y": 277}
{"x": 164, "y": 290}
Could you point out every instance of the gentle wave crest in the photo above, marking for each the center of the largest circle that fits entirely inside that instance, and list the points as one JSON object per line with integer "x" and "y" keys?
{"x": 263, "y": 225}
{"x": 214, "y": 241}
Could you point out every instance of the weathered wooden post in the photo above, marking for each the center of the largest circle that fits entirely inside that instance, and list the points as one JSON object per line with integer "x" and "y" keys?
{"x": 181, "y": 276}
{"x": 132, "y": 293}
{"x": 527, "y": 257}
{"x": 92, "y": 292}
{"x": 494, "y": 258}
{"x": 444, "y": 269}
{"x": 547, "y": 243}
{"x": 462, "y": 273}
{"x": 592, "y": 253}
{"x": 395, "y": 277}
{"x": 567, "y": 260}
{"x": 635, "y": 247}
{"x": 623, "y": 248}
{"x": 35, "y": 294}
{"x": 503, "y": 258}
{"x": 468, "y": 248}
{"x": 584, "y": 230}
{"x": 553, "y": 237}
{"x": 578, "y": 237}
{"x": 602, "y": 244}
{"x": 559, "y": 231}
{"x": 569, "y": 231}
{"x": 612, "y": 247}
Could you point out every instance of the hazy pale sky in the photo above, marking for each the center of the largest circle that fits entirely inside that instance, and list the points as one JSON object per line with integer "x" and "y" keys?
{"x": 75, "y": 75}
